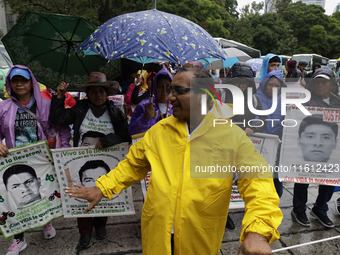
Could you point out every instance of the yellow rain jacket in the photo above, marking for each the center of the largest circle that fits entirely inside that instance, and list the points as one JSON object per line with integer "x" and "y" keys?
{"x": 196, "y": 207}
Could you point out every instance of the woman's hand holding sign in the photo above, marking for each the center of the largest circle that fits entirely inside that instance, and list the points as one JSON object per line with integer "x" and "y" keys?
{"x": 93, "y": 194}
{"x": 3, "y": 150}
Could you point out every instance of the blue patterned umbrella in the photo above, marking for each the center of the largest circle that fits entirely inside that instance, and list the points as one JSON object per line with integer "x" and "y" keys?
{"x": 152, "y": 36}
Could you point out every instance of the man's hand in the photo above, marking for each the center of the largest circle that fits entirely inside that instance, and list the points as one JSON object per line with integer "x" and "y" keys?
{"x": 254, "y": 244}
{"x": 249, "y": 131}
{"x": 93, "y": 194}
{"x": 149, "y": 111}
{"x": 61, "y": 89}
{"x": 3, "y": 150}
{"x": 99, "y": 145}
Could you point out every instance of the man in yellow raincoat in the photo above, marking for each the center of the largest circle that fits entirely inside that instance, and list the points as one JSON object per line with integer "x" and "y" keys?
{"x": 179, "y": 197}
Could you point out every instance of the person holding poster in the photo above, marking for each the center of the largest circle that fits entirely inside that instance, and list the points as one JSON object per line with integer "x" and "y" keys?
{"x": 195, "y": 208}
{"x": 96, "y": 121}
{"x": 265, "y": 94}
{"x": 24, "y": 119}
{"x": 321, "y": 86}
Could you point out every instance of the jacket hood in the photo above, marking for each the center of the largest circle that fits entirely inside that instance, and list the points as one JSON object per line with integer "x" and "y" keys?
{"x": 242, "y": 70}
{"x": 265, "y": 63}
{"x": 323, "y": 71}
{"x": 144, "y": 74}
{"x": 277, "y": 74}
{"x": 36, "y": 88}
{"x": 163, "y": 71}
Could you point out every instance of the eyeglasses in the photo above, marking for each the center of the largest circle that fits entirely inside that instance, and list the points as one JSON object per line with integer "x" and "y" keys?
{"x": 176, "y": 90}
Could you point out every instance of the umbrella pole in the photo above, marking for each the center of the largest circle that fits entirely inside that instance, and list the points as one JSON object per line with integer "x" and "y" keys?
{"x": 154, "y": 4}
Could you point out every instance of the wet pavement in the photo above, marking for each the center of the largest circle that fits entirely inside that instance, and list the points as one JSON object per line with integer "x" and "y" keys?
{"x": 124, "y": 233}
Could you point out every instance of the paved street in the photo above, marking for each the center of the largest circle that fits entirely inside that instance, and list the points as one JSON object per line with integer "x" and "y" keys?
{"x": 125, "y": 234}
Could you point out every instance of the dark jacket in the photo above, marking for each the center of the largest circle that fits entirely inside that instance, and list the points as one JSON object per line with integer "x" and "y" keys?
{"x": 318, "y": 101}
{"x": 76, "y": 114}
{"x": 244, "y": 71}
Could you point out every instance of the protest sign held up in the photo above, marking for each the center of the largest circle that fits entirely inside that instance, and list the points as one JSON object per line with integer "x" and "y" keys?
{"x": 83, "y": 165}
{"x": 30, "y": 195}
{"x": 309, "y": 147}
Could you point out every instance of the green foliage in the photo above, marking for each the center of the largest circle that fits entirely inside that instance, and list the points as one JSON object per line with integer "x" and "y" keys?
{"x": 295, "y": 28}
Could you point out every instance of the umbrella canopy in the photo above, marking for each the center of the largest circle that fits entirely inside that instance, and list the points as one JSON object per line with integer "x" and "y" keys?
{"x": 232, "y": 56}
{"x": 47, "y": 44}
{"x": 255, "y": 63}
{"x": 152, "y": 36}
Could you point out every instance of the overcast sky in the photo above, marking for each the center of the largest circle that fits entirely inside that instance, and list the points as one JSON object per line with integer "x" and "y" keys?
{"x": 329, "y": 4}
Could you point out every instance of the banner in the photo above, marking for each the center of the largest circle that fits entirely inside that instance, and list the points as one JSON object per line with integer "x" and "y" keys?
{"x": 83, "y": 165}
{"x": 267, "y": 145}
{"x": 310, "y": 148}
{"x": 29, "y": 192}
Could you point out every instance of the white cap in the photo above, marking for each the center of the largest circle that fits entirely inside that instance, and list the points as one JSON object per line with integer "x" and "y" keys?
{"x": 322, "y": 76}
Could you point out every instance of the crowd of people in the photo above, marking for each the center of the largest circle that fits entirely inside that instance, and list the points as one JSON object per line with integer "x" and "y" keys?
{"x": 181, "y": 215}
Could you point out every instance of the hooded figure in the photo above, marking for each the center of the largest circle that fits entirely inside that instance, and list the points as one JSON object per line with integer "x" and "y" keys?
{"x": 241, "y": 75}
{"x": 293, "y": 74}
{"x": 324, "y": 89}
{"x": 265, "y": 97}
{"x": 266, "y": 64}
{"x": 142, "y": 84}
{"x": 37, "y": 104}
{"x": 157, "y": 105}
{"x": 19, "y": 127}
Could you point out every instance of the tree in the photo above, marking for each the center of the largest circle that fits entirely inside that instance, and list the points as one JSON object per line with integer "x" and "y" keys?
{"x": 282, "y": 5}
{"x": 231, "y": 7}
{"x": 301, "y": 18}
{"x": 272, "y": 34}
{"x": 210, "y": 15}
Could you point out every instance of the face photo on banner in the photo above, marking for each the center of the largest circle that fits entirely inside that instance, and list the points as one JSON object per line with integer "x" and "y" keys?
{"x": 84, "y": 165}
{"x": 22, "y": 184}
{"x": 91, "y": 171}
{"x": 311, "y": 148}
{"x": 29, "y": 192}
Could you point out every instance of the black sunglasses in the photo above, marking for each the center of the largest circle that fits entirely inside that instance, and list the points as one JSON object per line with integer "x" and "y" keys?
{"x": 176, "y": 90}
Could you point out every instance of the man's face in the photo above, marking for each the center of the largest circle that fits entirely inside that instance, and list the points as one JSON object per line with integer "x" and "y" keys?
{"x": 91, "y": 175}
{"x": 302, "y": 67}
{"x": 273, "y": 66}
{"x": 24, "y": 188}
{"x": 21, "y": 140}
{"x": 161, "y": 90}
{"x": 87, "y": 141}
{"x": 317, "y": 142}
{"x": 181, "y": 101}
{"x": 272, "y": 83}
{"x": 21, "y": 86}
{"x": 322, "y": 87}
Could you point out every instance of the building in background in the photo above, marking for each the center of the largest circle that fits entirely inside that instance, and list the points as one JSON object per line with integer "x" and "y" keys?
{"x": 337, "y": 8}
{"x": 7, "y": 20}
{"x": 269, "y": 6}
{"x": 317, "y": 2}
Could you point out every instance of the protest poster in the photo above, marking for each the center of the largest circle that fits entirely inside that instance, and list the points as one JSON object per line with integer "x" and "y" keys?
{"x": 30, "y": 195}
{"x": 267, "y": 145}
{"x": 310, "y": 146}
{"x": 83, "y": 165}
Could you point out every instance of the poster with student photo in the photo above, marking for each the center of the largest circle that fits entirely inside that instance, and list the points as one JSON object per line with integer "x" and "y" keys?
{"x": 84, "y": 165}
{"x": 265, "y": 144}
{"x": 310, "y": 148}
{"x": 29, "y": 190}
